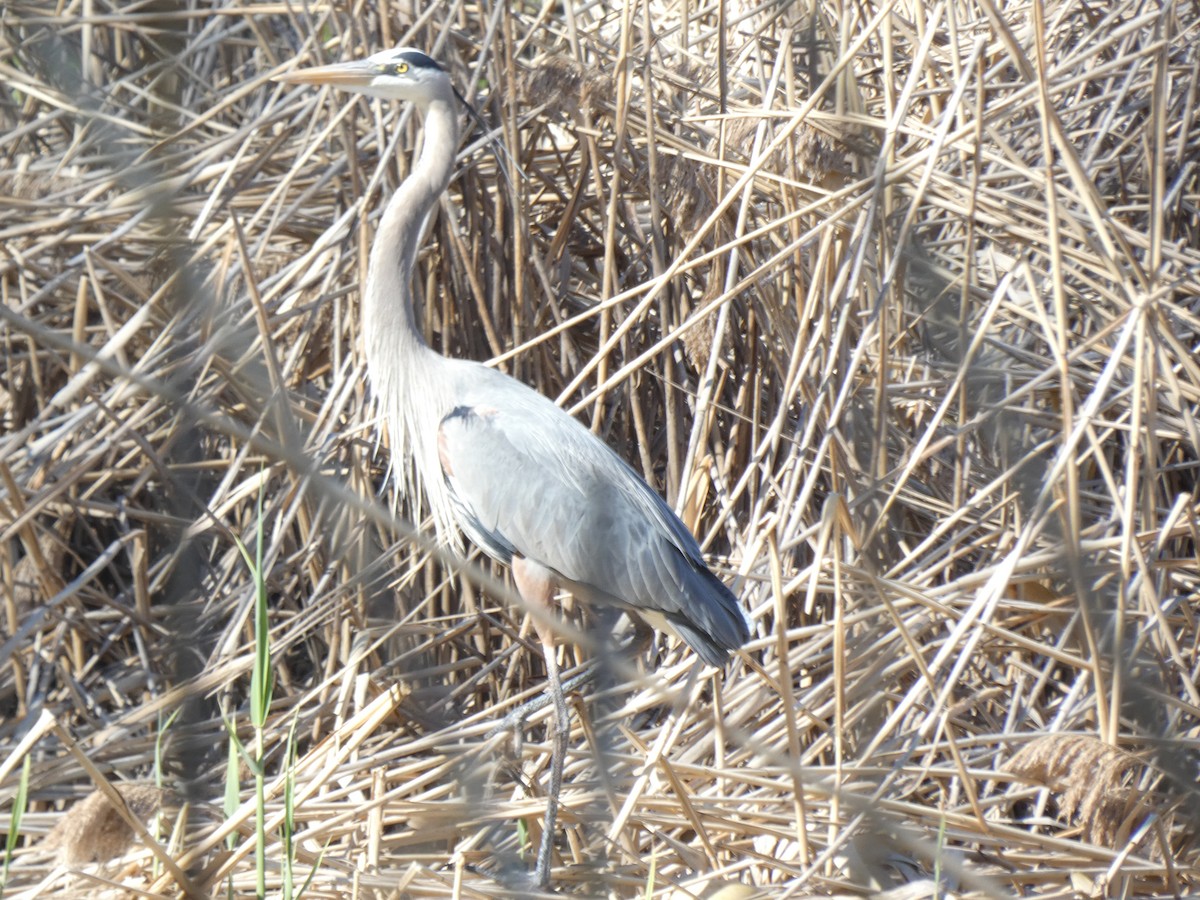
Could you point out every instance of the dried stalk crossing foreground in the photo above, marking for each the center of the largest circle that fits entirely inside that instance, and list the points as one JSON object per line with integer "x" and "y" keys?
{"x": 898, "y": 305}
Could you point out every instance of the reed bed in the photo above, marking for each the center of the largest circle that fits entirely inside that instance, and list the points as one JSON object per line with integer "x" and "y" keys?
{"x": 897, "y": 303}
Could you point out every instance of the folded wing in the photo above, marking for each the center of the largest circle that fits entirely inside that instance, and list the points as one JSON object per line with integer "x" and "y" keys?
{"x": 528, "y": 480}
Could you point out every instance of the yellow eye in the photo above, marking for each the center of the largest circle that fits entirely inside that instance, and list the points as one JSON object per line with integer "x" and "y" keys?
{"x": 400, "y": 68}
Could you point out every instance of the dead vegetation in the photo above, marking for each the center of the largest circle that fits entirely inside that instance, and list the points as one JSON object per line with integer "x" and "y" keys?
{"x": 1092, "y": 781}
{"x": 898, "y": 304}
{"x": 92, "y": 830}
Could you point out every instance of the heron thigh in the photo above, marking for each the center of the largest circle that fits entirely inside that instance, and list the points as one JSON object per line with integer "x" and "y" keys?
{"x": 535, "y": 582}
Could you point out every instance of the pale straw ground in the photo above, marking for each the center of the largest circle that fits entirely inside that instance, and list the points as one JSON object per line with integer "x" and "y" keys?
{"x": 898, "y": 304}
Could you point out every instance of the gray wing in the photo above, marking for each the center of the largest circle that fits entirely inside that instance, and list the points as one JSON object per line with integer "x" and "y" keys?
{"x": 527, "y": 479}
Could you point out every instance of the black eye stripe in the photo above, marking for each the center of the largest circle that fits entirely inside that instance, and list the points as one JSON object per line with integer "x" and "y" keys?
{"x": 417, "y": 60}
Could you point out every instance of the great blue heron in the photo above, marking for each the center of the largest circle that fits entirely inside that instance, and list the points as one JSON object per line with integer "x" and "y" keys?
{"x": 525, "y": 481}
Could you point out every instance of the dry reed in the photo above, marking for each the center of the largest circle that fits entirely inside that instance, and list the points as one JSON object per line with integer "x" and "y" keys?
{"x": 898, "y": 304}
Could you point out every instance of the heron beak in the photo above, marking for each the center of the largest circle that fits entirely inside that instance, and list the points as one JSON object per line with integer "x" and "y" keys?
{"x": 346, "y": 75}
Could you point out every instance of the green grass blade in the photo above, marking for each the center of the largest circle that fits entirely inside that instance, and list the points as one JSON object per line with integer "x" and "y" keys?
{"x": 14, "y": 825}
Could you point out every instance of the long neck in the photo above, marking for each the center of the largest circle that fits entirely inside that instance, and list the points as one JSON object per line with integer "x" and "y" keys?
{"x": 407, "y": 377}
{"x": 388, "y": 313}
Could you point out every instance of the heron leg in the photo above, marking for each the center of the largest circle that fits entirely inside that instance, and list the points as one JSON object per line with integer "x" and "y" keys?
{"x": 633, "y": 646}
{"x": 537, "y": 587}
{"x": 516, "y": 719}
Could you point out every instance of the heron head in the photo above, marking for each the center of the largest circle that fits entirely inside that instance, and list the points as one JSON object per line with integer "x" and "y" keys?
{"x": 398, "y": 74}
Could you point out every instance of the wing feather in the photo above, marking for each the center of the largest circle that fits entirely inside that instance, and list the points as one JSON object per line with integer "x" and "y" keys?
{"x": 527, "y": 479}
